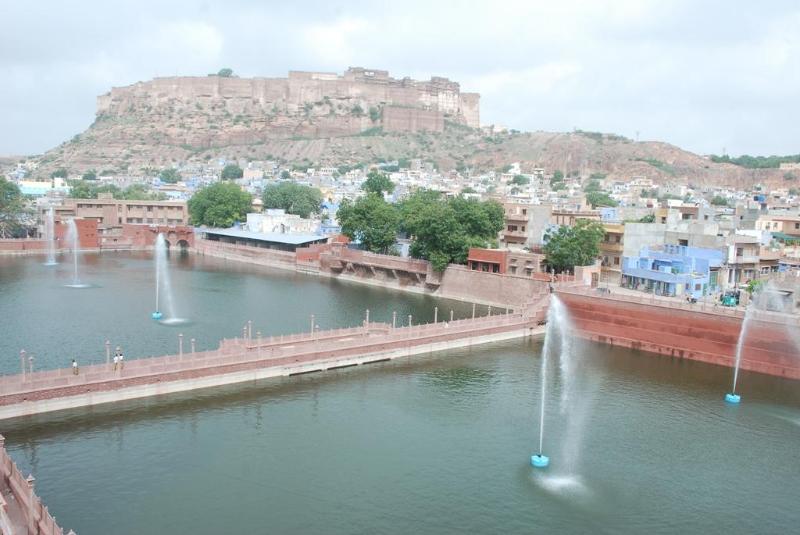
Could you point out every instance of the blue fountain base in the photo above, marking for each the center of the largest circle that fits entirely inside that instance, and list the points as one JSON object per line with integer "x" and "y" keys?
{"x": 733, "y": 398}
{"x": 156, "y": 315}
{"x": 540, "y": 461}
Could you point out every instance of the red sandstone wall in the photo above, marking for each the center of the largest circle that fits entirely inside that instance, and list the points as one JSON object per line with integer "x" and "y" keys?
{"x": 22, "y": 245}
{"x": 692, "y": 334}
{"x": 464, "y": 283}
{"x": 87, "y": 234}
{"x": 145, "y": 235}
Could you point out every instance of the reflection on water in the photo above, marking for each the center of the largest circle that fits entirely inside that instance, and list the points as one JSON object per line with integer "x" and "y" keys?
{"x": 464, "y": 380}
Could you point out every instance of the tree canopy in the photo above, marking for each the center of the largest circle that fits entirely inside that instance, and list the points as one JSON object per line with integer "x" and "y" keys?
{"x": 578, "y": 245}
{"x": 377, "y": 182}
{"x": 59, "y": 173}
{"x": 12, "y": 208}
{"x": 225, "y": 72}
{"x": 371, "y": 221}
{"x": 170, "y": 175}
{"x": 219, "y": 205}
{"x": 520, "y": 180}
{"x": 294, "y": 198}
{"x": 558, "y": 176}
{"x": 592, "y": 185}
{"x": 89, "y": 189}
{"x": 231, "y": 172}
{"x": 719, "y": 200}
{"x": 600, "y": 198}
{"x": 91, "y": 174}
{"x": 444, "y": 230}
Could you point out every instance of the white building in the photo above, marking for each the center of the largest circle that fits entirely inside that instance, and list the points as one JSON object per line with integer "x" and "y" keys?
{"x": 278, "y": 221}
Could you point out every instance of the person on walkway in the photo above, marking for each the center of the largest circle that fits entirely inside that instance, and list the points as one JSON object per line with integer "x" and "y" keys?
{"x": 116, "y": 361}
{"x": 121, "y": 360}
{"x": 74, "y": 367}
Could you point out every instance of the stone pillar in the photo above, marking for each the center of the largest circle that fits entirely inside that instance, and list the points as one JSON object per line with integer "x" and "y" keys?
{"x": 451, "y": 314}
{"x": 394, "y": 319}
{"x": 250, "y": 329}
{"x": 30, "y": 365}
{"x": 180, "y": 345}
{"x": 108, "y": 352}
{"x": 473, "y": 310}
{"x": 192, "y": 342}
{"x": 435, "y": 314}
{"x": 312, "y": 325}
{"x": 22, "y": 362}
{"x": 490, "y": 311}
{"x": 366, "y": 322}
{"x": 32, "y": 528}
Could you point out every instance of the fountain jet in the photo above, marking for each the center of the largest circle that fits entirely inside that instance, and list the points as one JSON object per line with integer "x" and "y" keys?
{"x": 50, "y": 238}
{"x": 72, "y": 238}
{"x": 163, "y": 285}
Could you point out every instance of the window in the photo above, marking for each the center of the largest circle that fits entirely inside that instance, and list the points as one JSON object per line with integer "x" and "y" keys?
{"x": 616, "y": 260}
{"x": 495, "y": 268}
{"x": 685, "y": 243}
{"x": 513, "y": 270}
{"x": 697, "y": 287}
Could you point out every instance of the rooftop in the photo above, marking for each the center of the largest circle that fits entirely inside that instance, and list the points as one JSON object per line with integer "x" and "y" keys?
{"x": 274, "y": 237}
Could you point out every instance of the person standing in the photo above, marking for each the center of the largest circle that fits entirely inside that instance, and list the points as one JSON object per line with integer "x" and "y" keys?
{"x": 121, "y": 360}
{"x": 74, "y": 367}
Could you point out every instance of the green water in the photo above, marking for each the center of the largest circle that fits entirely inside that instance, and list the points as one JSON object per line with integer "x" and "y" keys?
{"x": 55, "y": 323}
{"x": 432, "y": 444}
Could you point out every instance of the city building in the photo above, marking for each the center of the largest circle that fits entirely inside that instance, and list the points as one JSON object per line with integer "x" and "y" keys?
{"x": 673, "y": 270}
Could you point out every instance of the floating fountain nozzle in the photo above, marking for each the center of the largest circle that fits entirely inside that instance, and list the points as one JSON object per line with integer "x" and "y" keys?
{"x": 733, "y": 398}
{"x": 156, "y": 315}
{"x": 540, "y": 461}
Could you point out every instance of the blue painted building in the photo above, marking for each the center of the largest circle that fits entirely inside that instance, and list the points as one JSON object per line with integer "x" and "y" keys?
{"x": 673, "y": 270}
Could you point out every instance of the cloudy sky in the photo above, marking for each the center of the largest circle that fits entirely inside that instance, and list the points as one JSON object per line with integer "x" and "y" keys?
{"x": 704, "y": 75}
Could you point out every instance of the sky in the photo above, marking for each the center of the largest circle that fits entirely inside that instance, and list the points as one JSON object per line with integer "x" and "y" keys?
{"x": 708, "y": 76}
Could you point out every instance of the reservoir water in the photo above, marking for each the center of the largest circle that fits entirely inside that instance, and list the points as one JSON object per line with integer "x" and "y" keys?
{"x": 432, "y": 444}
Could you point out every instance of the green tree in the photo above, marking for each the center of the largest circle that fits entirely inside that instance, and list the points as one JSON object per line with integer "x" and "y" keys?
{"x": 558, "y": 176}
{"x": 59, "y": 173}
{"x": 377, "y": 182}
{"x": 520, "y": 180}
{"x": 357, "y": 110}
{"x": 374, "y": 114}
{"x": 592, "y": 186}
{"x": 719, "y": 200}
{"x": 91, "y": 174}
{"x": 286, "y": 175}
{"x": 649, "y": 218}
{"x": 231, "y": 172}
{"x": 140, "y": 192}
{"x": 12, "y": 208}
{"x": 225, "y": 72}
{"x": 439, "y": 238}
{"x": 578, "y": 245}
{"x": 443, "y": 231}
{"x": 371, "y": 221}
{"x": 600, "y": 198}
{"x": 219, "y": 205}
{"x": 294, "y": 198}
{"x": 170, "y": 175}
{"x": 480, "y": 219}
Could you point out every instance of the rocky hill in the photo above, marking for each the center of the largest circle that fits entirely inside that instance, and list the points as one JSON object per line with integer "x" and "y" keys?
{"x": 323, "y": 119}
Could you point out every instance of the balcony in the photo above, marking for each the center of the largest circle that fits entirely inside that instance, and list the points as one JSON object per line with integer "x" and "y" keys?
{"x": 611, "y": 247}
{"x": 744, "y": 260}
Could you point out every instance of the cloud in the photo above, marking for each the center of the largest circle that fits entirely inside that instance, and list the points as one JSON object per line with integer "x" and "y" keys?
{"x": 694, "y": 73}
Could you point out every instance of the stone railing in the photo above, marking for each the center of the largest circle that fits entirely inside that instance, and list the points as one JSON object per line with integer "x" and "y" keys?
{"x": 651, "y": 299}
{"x": 24, "y": 513}
{"x": 251, "y": 352}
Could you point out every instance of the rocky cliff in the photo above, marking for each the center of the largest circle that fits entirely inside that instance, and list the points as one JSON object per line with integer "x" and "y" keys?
{"x": 359, "y": 116}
